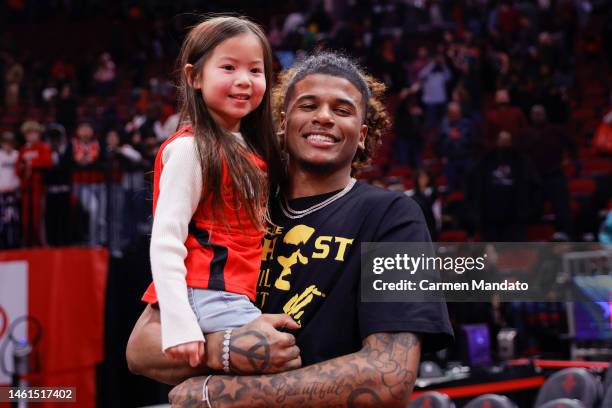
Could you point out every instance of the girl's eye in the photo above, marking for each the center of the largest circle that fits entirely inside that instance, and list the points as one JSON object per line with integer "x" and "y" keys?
{"x": 256, "y": 70}
{"x": 227, "y": 67}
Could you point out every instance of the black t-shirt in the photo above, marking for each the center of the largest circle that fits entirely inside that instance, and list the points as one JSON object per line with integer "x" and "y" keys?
{"x": 311, "y": 270}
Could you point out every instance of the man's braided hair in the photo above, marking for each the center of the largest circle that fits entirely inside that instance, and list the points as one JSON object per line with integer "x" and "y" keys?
{"x": 334, "y": 64}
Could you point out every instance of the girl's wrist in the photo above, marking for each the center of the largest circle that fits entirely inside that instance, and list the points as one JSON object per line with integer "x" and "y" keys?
{"x": 214, "y": 345}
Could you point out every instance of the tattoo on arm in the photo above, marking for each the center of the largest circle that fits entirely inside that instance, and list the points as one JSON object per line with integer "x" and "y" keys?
{"x": 381, "y": 374}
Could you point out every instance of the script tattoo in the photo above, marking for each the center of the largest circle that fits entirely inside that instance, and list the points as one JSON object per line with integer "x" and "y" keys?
{"x": 381, "y": 374}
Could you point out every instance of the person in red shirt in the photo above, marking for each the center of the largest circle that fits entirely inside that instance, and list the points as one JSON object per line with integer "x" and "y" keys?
{"x": 34, "y": 157}
{"x": 504, "y": 117}
{"x": 88, "y": 182}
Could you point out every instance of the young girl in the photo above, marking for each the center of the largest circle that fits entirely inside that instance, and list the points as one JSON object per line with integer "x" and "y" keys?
{"x": 211, "y": 187}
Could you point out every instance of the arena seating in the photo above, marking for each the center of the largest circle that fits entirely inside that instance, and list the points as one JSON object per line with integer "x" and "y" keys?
{"x": 491, "y": 401}
{"x": 572, "y": 383}
{"x": 432, "y": 400}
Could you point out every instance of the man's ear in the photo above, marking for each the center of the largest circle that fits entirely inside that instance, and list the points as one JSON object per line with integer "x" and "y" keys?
{"x": 363, "y": 133}
{"x": 192, "y": 79}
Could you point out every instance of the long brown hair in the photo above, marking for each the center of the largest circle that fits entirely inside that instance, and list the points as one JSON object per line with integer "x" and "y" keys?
{"x": 251, "y": 188}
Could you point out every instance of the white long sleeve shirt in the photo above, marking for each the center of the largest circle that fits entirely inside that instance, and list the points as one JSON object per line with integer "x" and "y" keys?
{"x": 180, "y": 189}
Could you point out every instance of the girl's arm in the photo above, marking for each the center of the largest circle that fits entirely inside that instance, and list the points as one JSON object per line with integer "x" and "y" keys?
{"x": 180, "y": 190}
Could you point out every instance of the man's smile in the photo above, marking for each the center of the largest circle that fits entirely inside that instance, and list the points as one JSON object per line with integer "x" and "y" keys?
{"x": 321, "y": 138}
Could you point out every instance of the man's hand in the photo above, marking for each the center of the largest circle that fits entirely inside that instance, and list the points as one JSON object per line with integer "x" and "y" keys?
{"x": 258, "y": 347}
{"x": 192, "y": 352}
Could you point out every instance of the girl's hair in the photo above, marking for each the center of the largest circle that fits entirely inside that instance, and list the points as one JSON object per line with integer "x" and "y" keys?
{"x": 335, "y": 64}
{"x": 215, "y": 145}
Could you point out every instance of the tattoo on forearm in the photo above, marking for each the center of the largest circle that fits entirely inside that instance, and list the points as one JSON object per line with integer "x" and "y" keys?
{"x": 257, "y": 355}
{"x": 363, "y": 397}
{"x": 377, "y": 374}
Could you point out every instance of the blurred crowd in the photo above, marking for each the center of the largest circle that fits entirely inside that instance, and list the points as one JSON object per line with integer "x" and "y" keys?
{"x": 496, "y": 106}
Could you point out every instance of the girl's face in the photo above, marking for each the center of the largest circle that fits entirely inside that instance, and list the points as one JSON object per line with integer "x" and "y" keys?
{"x": 232, "y": 80}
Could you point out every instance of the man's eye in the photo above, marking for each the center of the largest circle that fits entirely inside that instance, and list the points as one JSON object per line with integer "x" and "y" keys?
{"x": 343, "y": 112}
{"x": 308, "y": 107}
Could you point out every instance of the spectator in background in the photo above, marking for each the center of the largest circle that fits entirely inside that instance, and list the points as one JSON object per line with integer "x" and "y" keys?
{"x": 66, "y": 109}
{"x": 89, "y": 182}
{"x": 504, "y": 192}
{"x": 418, "y": 63}
{"x": 434, "y": 78}
{"x": 134, "y": 185}
{"x": 13, "y": 77}
{"x": 408, "y": 132}
{"x": 34, "y": 158}
{"x": 10, "y": 225}
{"x": 116, "y": 195}
{"x": 545, "y": 144}
{"x": 167, "y": 123}
{"x": 104, "y": 76}
{"x": 59, "y": 188}
{"x": 426, "y": 196}
{"x": 503, "y": 117}
{"x": 602, "y": 140}
{"x": 454, "y": 145}
{"x": 605, "y": 231}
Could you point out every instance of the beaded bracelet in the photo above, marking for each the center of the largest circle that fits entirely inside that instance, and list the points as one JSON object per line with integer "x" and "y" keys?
{"x": 226, "y": 350}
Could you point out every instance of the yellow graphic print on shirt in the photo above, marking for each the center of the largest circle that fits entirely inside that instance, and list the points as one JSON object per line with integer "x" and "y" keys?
{"x": 324, "y": 247}
{"x": 294, "y": 307}
{"x": 300, "y": 234}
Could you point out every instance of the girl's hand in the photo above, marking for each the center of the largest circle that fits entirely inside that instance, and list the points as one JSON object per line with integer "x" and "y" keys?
{"x": 192, "y": 352}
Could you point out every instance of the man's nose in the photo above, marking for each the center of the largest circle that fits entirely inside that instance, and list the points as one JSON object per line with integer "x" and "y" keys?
{"x": 323, "y": 116}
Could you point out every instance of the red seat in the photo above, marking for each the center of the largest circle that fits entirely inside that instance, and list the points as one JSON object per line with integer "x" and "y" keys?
{"x": 540, "y": 232}
{"x": 582, "y": 186}
{"x": 453, "y": 236}
{"x": 400, "y": 171}
{"x": 455, "y": 197}
{"x": 596, "y": 166}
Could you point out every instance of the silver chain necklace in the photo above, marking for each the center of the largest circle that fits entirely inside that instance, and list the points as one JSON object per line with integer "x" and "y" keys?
{"x": 294, "y": 214}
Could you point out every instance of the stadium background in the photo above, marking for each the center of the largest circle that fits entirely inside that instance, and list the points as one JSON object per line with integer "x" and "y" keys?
{"x": 95, "y": 79}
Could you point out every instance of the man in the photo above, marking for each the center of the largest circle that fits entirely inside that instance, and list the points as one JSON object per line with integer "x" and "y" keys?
{"x": 505, "y": 192}
{"x": 455, "y": 146}
{"x": 33, "y": 161}
{"x": 546, "y": 144}
{"x": 355, "y": 352}
{"x": 503, "y": 117}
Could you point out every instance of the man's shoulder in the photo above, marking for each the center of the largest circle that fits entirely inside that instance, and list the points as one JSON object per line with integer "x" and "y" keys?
{"x": 382, "y": 199}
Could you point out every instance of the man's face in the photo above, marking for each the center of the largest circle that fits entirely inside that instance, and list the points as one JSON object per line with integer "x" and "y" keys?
{"x": 323, "y": 124}
{"x": 32, "y": 136}
{"x": 85, "y": 132}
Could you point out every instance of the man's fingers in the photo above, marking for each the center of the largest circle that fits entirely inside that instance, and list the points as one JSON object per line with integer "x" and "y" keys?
{"x": 286, "y": 339}
{"x": 293, "y": 364}
{"x": 281, "y": 321}
{"x": 293, "y": 352}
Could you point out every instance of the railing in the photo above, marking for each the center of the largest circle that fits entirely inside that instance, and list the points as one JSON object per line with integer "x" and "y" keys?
{"x": 96, "y": 206}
